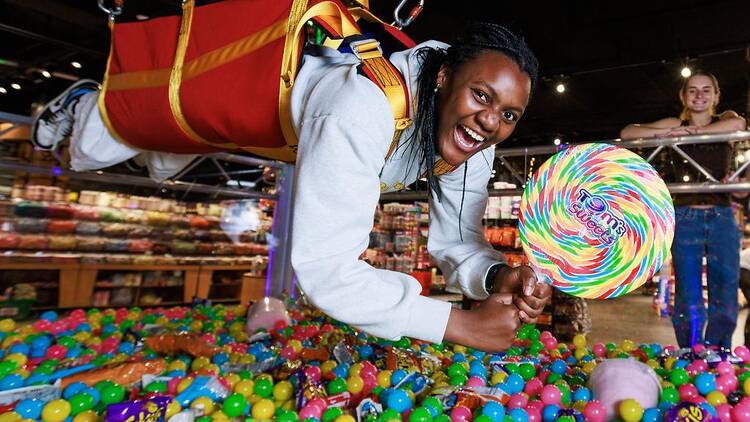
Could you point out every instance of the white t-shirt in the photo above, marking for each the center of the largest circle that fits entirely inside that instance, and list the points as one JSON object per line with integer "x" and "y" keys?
{"x": 345, "y": 127}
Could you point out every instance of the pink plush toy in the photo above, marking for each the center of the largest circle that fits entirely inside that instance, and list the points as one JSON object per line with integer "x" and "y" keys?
{"x": 614, "y": 380}
{"x": 264, "y": 314}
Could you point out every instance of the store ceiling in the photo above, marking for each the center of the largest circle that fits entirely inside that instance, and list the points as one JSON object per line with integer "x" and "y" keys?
{"x": 620, "y": 61}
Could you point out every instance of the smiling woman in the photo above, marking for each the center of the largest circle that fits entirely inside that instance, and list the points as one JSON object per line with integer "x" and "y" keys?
{"x": 464, "y": 99}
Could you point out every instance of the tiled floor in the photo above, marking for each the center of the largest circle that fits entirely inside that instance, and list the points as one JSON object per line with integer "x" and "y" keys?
{"x": 632, "y": 317}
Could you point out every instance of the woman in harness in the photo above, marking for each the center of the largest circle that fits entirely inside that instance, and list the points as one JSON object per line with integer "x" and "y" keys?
{"x": 465, "y": 98}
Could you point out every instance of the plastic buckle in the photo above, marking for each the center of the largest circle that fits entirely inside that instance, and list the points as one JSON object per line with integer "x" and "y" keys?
{"x": 355, "y": 45}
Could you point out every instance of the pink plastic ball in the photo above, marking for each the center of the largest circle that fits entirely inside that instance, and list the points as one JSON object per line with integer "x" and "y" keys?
{"x": 725, "y": 368}
{"x": 743, "y": 353}
{"x": 701, "y": 365}
{"x": 461, "y": 414}
{"x": 724, "y": 411}
{"x": 287, "y": 352}
{"x": 698, "y": 399}
{"x": 475, "y": 381}
{"x": 688, "y": 392}
{"x": 535, "y": 415}
{"x": 172, "y": 385}
{"x": 310, "y": 412}
{"x": 698, "y": 348}
{"x": 550, "y": 343}
{"x": 56, "y": 351}
{"x": 535, "y": 404}
{"x": 319, "y": 403}
{"x": 313, "y": 373}
{"x": 370, "y": 382}
{"x": 209, "y": 337}
{"x": 545, "y": 334}
{"x": 550, "y": 394}
{"x": 533, "y": 387}
{"x": 595, "y": 411}
{"x": 741, "y": 413}
{"x": 518, "y": 401}
{"x": 670, "y": 349}
{"x": 41, "y": 325}
{"x": 600, "y": 350}
{"x": 368, "y": 369}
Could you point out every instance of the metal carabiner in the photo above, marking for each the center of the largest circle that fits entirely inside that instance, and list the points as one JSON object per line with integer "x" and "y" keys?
{"x": 113, "y": 11}
{"x": 403, "y": 23}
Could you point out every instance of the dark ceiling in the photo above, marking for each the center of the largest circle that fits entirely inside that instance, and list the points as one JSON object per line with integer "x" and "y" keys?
{"x": 620, "y": 61}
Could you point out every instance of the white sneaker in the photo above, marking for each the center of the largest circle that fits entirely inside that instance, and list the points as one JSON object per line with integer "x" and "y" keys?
{"x": 55, "y": 122}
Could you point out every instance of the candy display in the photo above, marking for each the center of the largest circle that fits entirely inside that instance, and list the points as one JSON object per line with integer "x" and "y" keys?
{"x": 107, "y": 366}
{"x": 596, "y": 221}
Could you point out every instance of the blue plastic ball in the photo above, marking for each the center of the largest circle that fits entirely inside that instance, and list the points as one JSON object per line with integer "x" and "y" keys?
{"x": 365, "y": 351}
{"x": 73, "y": 389}
{"x": 30, "y": 408}
{"x": 399, "y": 401}
{"x": 651, "y": 415}
{"x": 518, "y": 415}
{"x": 49, "y": 316}
{"x": 11, "y": 381}
{"x": 558, "y": 366}
{"x": 550, "y": 412}
{"x": 397, "y": 376}
{"x": 705, "y": 383}
{"x": 582, "y": 393}
{"x": 514, "y": 384}
{"x": 494, "y": 411}
{"x": 22, "y": 348}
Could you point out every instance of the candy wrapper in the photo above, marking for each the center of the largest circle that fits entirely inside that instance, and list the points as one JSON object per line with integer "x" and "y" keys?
{"x": 470, "y": 397}
{"x": 123, "y": 374}
{"x": 171, "y": 344}
{"x": 308, "y": 390}
{"x": 689, "y": 412}
{"x": 150, "y": 410}
{"x": 419, "y": 382}
{"x": 254, "y": 368}
{"x": 210, "y": 387}
{"x": 408, "y": 361}
{"x": 45, "y": 393}
{"x": 368, "y": 410}
{"x": 343, "y": 354}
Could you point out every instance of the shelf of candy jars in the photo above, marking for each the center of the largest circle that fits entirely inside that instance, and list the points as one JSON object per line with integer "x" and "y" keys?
{"x": 78, "y": 233}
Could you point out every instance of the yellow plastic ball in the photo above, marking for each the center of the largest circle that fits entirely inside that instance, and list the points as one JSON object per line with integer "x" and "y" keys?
{"x": 283, "y": 390}
{"x": 19, "y": 358}
{"x": 327, "y": 366}
{"x": 232, "y": 379}
{"x": 173, "y": 408}
{"x": 183, "y": 384}
{"x": 669, "y": 362}
{"x": 196, "y": 325}
{"x": 580, "y": 405}
{"x": 162, "y": 320}
{"x": 652, "y": 364}
{"x": 630, "y": 410}
{"x": 87, "y": 416}
{"x": 716, "y": 398}
{"x": 580, "y": 353}
{"x": 457, "y": 348}
{"x": 265, "y": 376}
{"x": 7, "y": 325}
{"x": 498, "y": 377}
{"x": 384, "y": 378}
{"x": 254, "y": 398}
{"x": 628, "y": 346}
{"x": 242, "y": 337}
{"x": 204, "y": 403}
{"x": 210, "y": 369}
{"x": 588, "y": 367}
{"x": 289, "y": 405}
{"x": 354, "y": 369}
{"x": 199, "y": 363}
{"x": 10, "y": 417}
{"x": 263, "y": 410}
{"x": 355, "y": 385}
{"x": 177, "y": 365}
{"x": 244, "y": 387}
{"x": 219, "y": 416}
{"x": 246, "y": 359}
{"x": 56, "y": 411}
{"x": 746, "y": 386}
{"x": 579, "y": 340}
{"x": 296, "y": 345}
{"x": 345, "y": 418}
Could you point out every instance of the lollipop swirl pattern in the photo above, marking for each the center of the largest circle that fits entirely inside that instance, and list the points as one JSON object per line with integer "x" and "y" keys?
{"x": 596, "y": 221}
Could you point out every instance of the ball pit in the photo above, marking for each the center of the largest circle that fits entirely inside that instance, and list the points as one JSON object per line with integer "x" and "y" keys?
{"x": 317, "y": 370}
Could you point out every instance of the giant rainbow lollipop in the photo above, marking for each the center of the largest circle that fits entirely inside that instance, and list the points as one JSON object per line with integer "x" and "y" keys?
{"x": 596, "y": 221}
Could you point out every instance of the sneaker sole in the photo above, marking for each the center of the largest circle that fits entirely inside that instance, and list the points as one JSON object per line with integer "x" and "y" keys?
{"x": 35, "y": 122}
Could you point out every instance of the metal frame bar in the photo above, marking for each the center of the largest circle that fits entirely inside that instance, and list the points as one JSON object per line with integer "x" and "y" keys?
{"x": 694, "y": 163}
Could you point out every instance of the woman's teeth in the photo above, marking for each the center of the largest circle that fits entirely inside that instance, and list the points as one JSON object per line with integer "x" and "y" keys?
{"x": 475, "y": 136}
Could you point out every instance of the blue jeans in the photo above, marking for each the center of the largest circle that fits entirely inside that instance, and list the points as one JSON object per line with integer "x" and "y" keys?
{"x": 712, "y": 232}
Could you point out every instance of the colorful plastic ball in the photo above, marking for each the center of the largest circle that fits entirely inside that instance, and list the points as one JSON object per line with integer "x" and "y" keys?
{"x": 263, "y": 410}
{"x": 494, "y": 411}
{"x": 29, "y": 408}
{"x": 670, "y": 394}
{"x": 263, "y": 387}
{"x": 10, "y": 417}
{"x": 679, "y": 376}
{"x": 332, "y": 413}
{"x": 595, "y": 412}
{"x": 234, "y": 405}
{"x": 513, "y": 384}
{"x": 550, "y": 412}
{"x": 244, "y": 387}
{"x": 716, "y": 398}
{"x": 7, "y": 325}
{"x": 652, "y": 415}
{"x": 115, "y": 393}
{"x": 204, "y": 403}
{"x": 630, "y": 410}
{"x": 461, "y": 414}
{"x": 11, "y": 381}
{"x": 705, "y": 383}
{"x": 399, "y": 401}
{"x": 173, "y": 408}
{"x": 282, "y": 391}
{"x": 420, "y": 414}
{"x": 87, "y": 416}
{"x": 56, "y": 411}
{"x": 94, "y": 393}
{"x": 518, "y": 415}
{"x": 550, "y": 394}
{"x": 81, "y": 402}
{"x": 582, "y": 394}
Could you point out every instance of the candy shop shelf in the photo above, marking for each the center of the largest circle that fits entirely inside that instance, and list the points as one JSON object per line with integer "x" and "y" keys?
{"x": 251, "y": 287}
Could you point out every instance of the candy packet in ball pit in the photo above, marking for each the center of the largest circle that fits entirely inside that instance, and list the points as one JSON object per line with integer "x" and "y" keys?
{"x": 150, "y": 410}
{"x": 44, "y": 393}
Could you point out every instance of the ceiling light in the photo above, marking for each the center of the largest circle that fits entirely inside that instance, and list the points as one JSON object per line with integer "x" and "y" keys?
{"x": 740, "y": 158}
{"x": 556, "y": 141}
{"x": 46, "y": 74}
{"x": 686, "y": 72}
{"x": 3, "y": 90}
{"x": 76, "y": 65}
{"x": 560, "y": 88}
{"x": 15, "y": 86}
{"x": 686, "y": 178}
{"x": 141, "y": 17}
